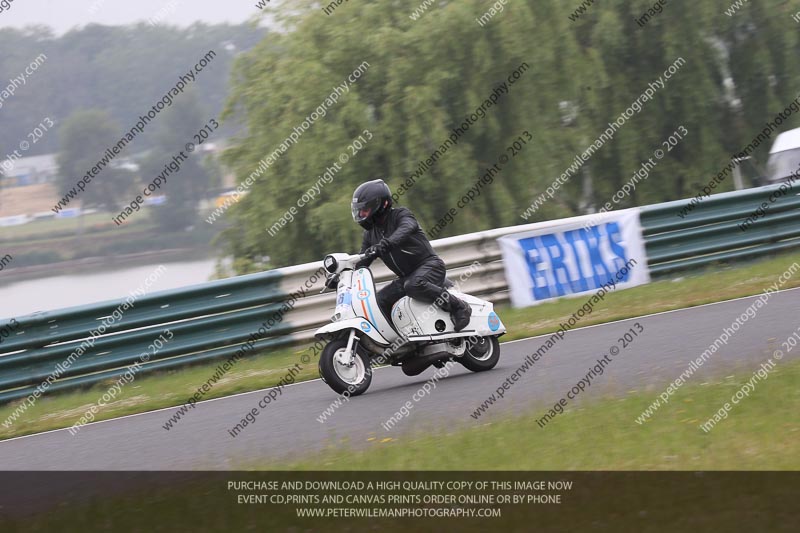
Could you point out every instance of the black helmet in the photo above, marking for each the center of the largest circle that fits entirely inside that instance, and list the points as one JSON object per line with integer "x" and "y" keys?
{"x": 370, "y": 201}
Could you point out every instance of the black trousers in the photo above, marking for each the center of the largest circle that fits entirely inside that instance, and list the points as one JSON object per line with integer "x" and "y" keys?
{"x": 426, "y": 284}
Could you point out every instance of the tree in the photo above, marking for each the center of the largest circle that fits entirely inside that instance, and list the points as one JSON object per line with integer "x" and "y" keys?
{"x": 187, "y": 186}
{"x": 83, "y": 140}
{"x": 416, "y": 90}
{"x": 122, "y": 69}
{"x": 426, "y": 75}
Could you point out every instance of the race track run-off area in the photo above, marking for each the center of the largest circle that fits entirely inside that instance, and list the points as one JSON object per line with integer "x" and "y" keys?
{"x": 289, "y": 428}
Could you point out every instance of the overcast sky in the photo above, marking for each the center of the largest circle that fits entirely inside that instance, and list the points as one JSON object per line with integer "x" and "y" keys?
{"x": 63, "y": 15}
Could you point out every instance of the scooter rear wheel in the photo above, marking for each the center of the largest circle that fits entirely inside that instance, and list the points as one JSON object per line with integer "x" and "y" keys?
{"x": 343, "y": 379}
{"x": 481, "y": 355}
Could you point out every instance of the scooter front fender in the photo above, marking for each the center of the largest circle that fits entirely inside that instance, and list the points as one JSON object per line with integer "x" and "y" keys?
{"x": 359, "y": 324}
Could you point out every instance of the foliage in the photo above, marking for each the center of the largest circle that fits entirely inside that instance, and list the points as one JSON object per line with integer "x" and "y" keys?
{"x": 123, "y": 70}
{"x": 189, "y": 185}
{"x": 426, "y": 76}
{"x": 83, "y": 140}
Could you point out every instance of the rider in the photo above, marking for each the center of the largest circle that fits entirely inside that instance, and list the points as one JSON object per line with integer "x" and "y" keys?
{"x": 394, "y": 235}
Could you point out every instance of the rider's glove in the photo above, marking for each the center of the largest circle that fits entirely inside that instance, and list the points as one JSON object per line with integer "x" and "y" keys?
{"x": 383, "y": 246}
{"x": 369, "y": 256}
{"x": 372, "y": 252}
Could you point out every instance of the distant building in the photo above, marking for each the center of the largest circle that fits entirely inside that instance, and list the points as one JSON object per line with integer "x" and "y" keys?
{"x": 30, "y": 170}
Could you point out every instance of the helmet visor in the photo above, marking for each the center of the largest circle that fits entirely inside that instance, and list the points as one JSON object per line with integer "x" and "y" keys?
{"x": 364, "y": 210}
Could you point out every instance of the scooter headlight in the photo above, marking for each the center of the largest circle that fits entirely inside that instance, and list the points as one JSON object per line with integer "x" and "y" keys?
{"x": 330, "y": 263}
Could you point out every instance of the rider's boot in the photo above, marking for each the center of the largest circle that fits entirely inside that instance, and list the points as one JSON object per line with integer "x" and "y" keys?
{"x": 460, "y": 311}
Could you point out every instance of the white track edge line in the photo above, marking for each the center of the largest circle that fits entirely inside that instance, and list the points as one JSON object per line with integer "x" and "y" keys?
{"x": 379, "y": 368}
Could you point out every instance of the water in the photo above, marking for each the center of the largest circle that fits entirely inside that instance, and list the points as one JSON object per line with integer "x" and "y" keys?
{"x": 56, "y": 292}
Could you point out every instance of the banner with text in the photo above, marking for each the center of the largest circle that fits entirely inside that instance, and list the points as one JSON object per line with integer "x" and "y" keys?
{"x": 570, "y": 257}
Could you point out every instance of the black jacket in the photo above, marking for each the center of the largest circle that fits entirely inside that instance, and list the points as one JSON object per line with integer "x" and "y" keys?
{"x": 409, "y": 247}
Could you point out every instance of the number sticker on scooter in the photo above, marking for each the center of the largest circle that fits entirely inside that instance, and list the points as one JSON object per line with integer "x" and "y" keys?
{"x": 343, "y": 299}
{"x": 365, "y": 326}
{"x": 363, "y": 295}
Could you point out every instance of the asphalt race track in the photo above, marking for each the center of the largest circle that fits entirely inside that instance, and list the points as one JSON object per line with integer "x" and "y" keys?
{"x": 289, "y": 426}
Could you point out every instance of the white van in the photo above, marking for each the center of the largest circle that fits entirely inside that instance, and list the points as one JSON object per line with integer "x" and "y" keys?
{"x": 784, "y": 157}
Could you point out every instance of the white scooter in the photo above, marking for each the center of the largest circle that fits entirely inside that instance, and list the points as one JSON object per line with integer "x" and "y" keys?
{"x": 418, "y": 336}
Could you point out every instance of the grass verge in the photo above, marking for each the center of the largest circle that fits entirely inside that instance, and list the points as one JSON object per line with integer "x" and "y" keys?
{"x": 760, "y": 433}
{"x": 265, "y": 370}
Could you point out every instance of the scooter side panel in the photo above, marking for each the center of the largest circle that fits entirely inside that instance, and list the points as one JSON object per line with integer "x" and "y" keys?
{"x": 418, "y": 320}
{"x": 484, "y": 320}
{"x": 404, "y": 318}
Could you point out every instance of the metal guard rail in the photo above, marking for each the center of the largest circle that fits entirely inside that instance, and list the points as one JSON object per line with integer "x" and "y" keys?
{"x": 214, "y": 320}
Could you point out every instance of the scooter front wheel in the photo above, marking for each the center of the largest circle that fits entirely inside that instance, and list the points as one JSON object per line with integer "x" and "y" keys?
{"x": 481, "y": 355}
{"x": 344, "y": 376}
